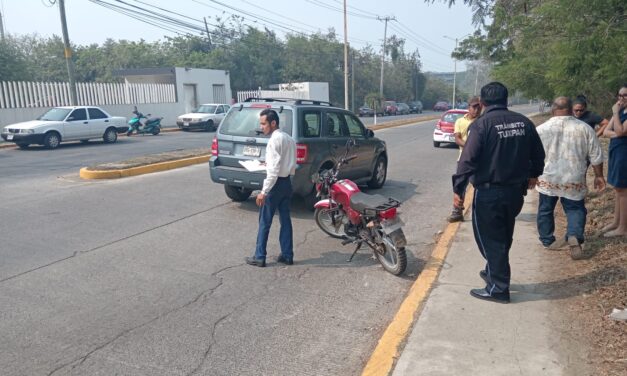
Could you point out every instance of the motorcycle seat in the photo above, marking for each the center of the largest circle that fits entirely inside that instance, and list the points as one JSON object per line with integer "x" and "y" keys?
{"x": 361, "y": 202}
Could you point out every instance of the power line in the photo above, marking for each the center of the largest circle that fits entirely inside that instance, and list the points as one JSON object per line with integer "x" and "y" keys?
{"x": 260, "y": 20}
{"x": 331, "y": 7}
{"x": 418, "y": 43}
{"x": 151, "y": 18}
{"x": 425, "y": 42}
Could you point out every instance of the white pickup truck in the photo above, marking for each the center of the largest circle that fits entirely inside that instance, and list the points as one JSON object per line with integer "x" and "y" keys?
{"x": 70, "y": 123}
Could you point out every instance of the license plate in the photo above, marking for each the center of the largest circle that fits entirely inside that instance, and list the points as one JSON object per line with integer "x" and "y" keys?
{"x": 451, "y": 138}
{"x": 391, "y": 225}
{"x": 252, "y": 151}
{"x": 9, "y": 137}
{"x": 186, "y": 124}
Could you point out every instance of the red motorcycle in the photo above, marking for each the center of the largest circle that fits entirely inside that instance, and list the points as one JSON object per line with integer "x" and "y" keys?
{"x": 344, "y": 212}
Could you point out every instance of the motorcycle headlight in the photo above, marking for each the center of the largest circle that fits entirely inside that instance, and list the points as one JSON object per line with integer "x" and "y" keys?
{"x": 27, "y": 131}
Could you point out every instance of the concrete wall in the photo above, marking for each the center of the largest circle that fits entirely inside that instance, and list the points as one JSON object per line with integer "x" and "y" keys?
{"x": 204, "y": 79}
{"x": 169, "y": 112}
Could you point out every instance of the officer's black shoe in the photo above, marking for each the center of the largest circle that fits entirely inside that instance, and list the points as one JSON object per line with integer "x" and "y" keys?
{"x": 484, "y": 276}
{"x": 501, "y": 297}
{"x": 255, "y": 261}
{"x": 284, "y": 260}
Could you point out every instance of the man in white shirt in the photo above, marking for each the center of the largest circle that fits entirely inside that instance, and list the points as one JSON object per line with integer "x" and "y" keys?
{"x": 277, "y": 190}
{"x": 568, "y": 143}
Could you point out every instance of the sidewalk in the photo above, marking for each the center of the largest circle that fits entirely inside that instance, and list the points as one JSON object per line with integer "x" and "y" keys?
{"x": 457, "y": 334}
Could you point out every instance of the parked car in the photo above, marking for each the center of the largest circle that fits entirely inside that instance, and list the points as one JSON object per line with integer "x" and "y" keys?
{"x": 70, "y": 123}
{"x": 389, "y": 108}
{"x": 402, "y": 108}
{"x": 415, "y": 107}
{"x": 366, "y": 111}
{"x": 462, "y": 105}
{"x": 444, "y": 128}
{"x": 320, "y": 131}
{"x": 441, "y": 106}
{"x": 207, "y": 117}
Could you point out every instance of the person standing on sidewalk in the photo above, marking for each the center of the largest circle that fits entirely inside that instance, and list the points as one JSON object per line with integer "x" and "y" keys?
{"x": 569, "y": 144}
{"x": 594, "y": 120}
{"x": 617, "y": 164}
{"x": 502, "y": 158}
{"x": 276, "y": 192}
{"x": 462, "y": 126}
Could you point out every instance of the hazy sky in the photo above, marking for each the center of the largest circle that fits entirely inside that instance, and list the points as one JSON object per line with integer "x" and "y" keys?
{"x": 422, "y": 25}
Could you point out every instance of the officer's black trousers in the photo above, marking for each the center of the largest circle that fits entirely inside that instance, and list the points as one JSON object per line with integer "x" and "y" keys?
{"x": 494, "y": 211}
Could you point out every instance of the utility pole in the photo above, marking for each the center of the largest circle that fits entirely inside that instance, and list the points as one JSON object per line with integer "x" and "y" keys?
{"x": 1, "y": 27}
{"x": 68, "y": 54}
{"x": 385, "y": 35}
{"x": 345, "y": 59}
{"x": 208, "y": 35}
{"x": 455, "y": 72}
{"x": 476, "y": 76}
{"x": 353, "y": 81}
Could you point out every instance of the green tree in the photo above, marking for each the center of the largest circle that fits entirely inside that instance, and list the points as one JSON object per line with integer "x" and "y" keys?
{"x": 318, "y": 57}
{"x": 13, "y": 63}
{"x": 554, "y": 47}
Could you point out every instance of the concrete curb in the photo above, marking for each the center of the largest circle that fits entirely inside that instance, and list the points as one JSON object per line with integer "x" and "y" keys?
{"x": 86, "y": 173}
{"x": 388, "y": 348}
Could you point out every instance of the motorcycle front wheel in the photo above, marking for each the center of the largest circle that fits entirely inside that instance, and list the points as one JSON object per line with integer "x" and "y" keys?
{"x": 392, "y": 258}
{"x": 330, "y": 221}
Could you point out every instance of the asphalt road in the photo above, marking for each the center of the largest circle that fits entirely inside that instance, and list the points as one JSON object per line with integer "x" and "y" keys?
{"x": 145, "y": 275}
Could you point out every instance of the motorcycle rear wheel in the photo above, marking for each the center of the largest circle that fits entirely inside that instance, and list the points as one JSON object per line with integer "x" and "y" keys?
{"x": 323, "y": 220}
{"x": 393, "y": 259}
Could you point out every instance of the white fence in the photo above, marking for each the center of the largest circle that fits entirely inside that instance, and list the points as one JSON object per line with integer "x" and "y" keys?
{"x": 243, "y": 95}
{"x": 48, "y": 94}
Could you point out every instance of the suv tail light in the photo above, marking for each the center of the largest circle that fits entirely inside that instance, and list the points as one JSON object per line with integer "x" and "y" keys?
{"x": 437, "y": 125}
{"x": 214, "y": 147}
{"x": 301, "y": 153}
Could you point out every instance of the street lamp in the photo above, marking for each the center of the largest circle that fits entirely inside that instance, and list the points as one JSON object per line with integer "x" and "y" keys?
{"x": 455, "y": 67}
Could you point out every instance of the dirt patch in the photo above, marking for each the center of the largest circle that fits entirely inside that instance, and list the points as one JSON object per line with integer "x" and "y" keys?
{"x": 589, "y": 289}
{"x": 151, "y": 159}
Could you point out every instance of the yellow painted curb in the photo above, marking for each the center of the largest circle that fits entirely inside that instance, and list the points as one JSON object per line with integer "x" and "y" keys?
{"x": 387, "y": 351}
{"x": 85, "y": 173}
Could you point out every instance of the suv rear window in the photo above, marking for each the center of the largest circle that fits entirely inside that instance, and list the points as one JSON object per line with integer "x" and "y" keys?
{"x": 246, "y": 122}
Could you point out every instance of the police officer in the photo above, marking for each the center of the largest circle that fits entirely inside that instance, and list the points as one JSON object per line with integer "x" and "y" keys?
{"x": 502, "y": 158}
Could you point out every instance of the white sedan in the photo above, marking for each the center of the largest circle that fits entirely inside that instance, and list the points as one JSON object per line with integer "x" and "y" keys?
{"x": 208, "y": 117}
{"x": 70, "y": 123}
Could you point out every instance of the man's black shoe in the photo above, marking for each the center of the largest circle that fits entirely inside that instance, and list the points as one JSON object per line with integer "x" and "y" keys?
{"x": 484, "y": 276}
{"x": 284, "y": 260}
{"x": 255, "y": 261}
{"x": 496, "y": 297}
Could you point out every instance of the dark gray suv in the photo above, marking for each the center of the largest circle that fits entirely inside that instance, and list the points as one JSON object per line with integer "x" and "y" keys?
{"x": 320, "y": 131}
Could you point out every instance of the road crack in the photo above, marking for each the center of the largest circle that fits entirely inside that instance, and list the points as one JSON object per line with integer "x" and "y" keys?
{"x": 204, "y": 296}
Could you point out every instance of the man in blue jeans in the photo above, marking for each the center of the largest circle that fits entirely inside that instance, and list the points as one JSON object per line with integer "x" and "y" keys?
{"x": 569, "y": 143}
{"x": 276, "y": 192}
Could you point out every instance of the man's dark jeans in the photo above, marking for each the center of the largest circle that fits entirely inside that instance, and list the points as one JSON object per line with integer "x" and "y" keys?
{"x": 575, "y": 215}
{"x": 279, "y": 198}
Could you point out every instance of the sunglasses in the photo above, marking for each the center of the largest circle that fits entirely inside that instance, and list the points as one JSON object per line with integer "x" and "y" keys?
{"x": 476, "y": 105}
{"x": 622, "y": 95}
{"x": 578, "y": 110}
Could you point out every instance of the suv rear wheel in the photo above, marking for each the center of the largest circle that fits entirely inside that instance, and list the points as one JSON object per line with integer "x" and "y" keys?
{"x": 380, "y": 173}
{"x": 237, "y": 194}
